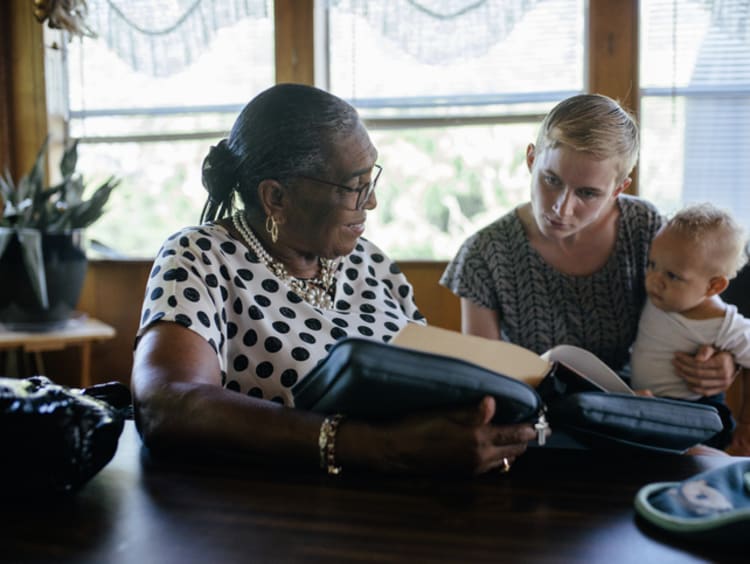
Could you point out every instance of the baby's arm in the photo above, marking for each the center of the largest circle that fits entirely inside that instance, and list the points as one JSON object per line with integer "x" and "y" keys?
{"x": 713, "y": 368}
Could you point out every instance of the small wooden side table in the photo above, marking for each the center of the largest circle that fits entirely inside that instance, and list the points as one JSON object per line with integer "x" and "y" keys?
{"x": 78, "y": 332}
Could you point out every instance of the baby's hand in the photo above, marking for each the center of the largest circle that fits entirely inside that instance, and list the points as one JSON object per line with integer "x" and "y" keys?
{"x": 644, "y": 393}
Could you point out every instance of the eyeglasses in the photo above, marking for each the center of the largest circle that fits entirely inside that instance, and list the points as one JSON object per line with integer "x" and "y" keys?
{"x": 363, "y": 192}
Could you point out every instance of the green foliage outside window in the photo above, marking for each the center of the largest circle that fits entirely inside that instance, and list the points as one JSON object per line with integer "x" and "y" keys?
{"x": 439, "y": 185}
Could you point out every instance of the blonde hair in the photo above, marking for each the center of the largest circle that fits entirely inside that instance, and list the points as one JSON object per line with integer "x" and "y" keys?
{"x": 715, "y": 231}
{"x": 595, "y": 124}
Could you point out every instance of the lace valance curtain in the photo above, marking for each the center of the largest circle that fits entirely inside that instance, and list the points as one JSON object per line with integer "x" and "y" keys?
{"x": 161, "y": 37}
{"x": 439, "y": 31}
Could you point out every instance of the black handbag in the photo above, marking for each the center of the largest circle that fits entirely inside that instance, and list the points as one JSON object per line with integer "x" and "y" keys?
{"x": 372, "y": 380}
{"x": 604, "y": 419}
{"x": 55, "y": 438}
{"x": 375, "y": 381}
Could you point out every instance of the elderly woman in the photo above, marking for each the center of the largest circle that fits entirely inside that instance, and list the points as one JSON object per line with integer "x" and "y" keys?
{"x": 239, "y": 309}
{"x": 569, "y": 265}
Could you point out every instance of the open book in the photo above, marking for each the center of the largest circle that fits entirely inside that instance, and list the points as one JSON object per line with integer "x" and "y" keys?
{"x": 433, "y": 369}
{"x": 509, "y": 359}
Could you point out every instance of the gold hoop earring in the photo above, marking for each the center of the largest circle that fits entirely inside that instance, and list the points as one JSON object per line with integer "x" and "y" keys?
{"x": 273, "y": 228}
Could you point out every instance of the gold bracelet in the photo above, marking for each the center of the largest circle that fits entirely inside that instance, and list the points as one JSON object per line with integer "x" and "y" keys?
{"x": 327, "y": 444}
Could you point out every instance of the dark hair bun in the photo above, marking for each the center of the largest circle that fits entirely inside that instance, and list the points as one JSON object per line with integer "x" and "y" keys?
{"x": 219, "y": 172}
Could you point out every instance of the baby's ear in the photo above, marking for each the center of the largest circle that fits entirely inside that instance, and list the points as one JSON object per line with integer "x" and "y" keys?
{"x": 717, "y": 285}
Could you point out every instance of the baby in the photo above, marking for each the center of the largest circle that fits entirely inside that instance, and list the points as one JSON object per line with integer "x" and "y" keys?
{"x": 691, "y": 261}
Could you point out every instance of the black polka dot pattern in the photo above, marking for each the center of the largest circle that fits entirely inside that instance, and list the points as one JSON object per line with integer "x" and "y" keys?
{"x": 289, "y": 378}
{"x": 267, "y": 338}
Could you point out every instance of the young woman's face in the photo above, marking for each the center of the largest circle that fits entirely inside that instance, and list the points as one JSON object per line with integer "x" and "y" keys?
{"x": 570, "y": 190}
{"x": 323, "y": 220}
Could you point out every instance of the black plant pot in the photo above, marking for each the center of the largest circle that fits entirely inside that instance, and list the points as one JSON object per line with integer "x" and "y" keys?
{"x": 65, "y": 269}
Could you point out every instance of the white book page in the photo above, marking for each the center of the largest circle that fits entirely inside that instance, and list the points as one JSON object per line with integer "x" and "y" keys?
{"x": 588, "y": 366}
{"x": 498, "y": 356}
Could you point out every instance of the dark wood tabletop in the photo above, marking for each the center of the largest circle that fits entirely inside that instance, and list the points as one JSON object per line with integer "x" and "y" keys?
{"x": 554, "y": 506}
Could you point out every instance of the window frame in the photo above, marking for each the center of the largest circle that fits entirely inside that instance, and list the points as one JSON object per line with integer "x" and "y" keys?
{"x": 611, "y": 35}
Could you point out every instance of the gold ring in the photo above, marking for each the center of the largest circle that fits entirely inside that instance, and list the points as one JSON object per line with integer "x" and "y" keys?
{"x": 505, "y": 468}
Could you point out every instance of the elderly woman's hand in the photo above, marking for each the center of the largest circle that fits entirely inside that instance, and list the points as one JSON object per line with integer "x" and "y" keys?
{"x": 708, "y": 372}
{"x": 458, "y": 441}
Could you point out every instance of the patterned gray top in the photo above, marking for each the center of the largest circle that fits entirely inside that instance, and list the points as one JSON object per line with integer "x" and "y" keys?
{"x": 541, "y": 307}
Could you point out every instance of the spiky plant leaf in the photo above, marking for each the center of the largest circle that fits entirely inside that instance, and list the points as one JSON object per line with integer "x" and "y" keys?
{"x": 74, "y": 188}
{"x": 5, "y": 236}
{"x": 7, "y": 187}
{"x": 36, "y": 176}
{"x": 31, "y": 250}
{"x": 29, "y": 208}
{"x": 69, "y": 160}
{"x": 89, "y": 211}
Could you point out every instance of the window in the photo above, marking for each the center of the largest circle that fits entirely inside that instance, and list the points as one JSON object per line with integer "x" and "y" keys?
{"x": 695, "y": 82}
{"x": 174, "y": 84}
{"x": 452, "y": 93}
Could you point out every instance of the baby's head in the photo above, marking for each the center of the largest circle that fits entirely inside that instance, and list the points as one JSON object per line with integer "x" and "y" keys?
{"x": 693, "y": 257}
{"x": 712, "y": 236}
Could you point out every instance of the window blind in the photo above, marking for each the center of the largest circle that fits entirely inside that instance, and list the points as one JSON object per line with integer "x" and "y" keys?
{"x": 695, "y": 85}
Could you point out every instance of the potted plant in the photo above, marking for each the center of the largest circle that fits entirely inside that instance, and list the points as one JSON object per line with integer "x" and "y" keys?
{"x": 42, "y": 254}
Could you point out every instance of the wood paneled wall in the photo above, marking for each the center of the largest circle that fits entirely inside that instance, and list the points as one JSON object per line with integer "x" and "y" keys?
{"x": 613, "y": 50}
{"x": 613, "y": 56}
{"x": 295, "y": 50}
{"x": 113, "y": 292}
{"x": 5, "y": 101}
{"x": 23, "y": 107}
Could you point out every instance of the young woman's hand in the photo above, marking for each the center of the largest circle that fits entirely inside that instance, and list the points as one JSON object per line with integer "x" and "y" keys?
{"x": 708, "y": 372}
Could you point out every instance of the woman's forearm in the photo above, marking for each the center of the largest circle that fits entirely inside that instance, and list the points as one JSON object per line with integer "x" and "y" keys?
{"x": 205, "y": 417}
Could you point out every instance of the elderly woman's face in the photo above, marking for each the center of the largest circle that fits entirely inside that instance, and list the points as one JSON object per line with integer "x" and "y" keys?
{"x": 323, "y": 219}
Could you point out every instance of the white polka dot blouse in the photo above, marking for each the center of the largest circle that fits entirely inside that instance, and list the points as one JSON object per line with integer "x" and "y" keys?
{"x": 266, "y": 338}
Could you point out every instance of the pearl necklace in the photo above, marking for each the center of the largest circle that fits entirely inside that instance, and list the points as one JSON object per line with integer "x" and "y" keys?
{"x": 315, "y": 291}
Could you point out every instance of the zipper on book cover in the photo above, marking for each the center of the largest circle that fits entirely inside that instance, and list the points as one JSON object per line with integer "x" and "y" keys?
{"x": 541, "y": 427}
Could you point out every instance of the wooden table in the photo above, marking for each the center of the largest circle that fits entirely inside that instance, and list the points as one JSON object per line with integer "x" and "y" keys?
{"x": 79, "y": 332}
{"x": 554, "y": 506}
